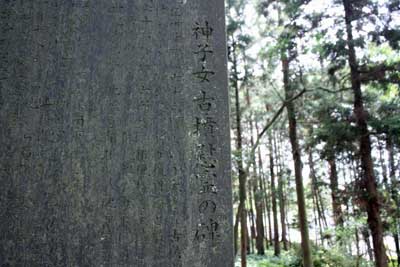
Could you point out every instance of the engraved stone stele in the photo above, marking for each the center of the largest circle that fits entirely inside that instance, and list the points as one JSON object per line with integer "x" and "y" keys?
{"x": 114, "y": 134}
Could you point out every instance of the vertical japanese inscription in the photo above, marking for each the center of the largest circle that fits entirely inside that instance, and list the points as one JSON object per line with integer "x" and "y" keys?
{"x": 205, "y": 125}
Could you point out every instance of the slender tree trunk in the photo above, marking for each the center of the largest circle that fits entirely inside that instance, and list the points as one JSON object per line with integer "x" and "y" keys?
{"x": 305, "y": 241}
{"x": 357, "y": 248}
{"x": 395, "y": 195}
{"x": 258, "y": 200}
{"x": 253, "y": 180}
{"x": 259, "y": 224}
{"x": 242, "y": 173}
{"x": 365, "y": 233}
{"x": 317, "y": 223}
{"x": 334, "y": 185}
{"x": 281, "y": 201}
{"x": 236, "y": 229}
{"x": 369, "y": 181}
{"x": 383, "y": 167}
{"x": 316, "y": 195}
{"x": 252, "y": 234}
{"x": 243, "y": 227}
{"x": 261, "y": 229}
{"x": 277, "y": 249}
{"x": 282, "y": 196}
{"x": 268, "y": 206}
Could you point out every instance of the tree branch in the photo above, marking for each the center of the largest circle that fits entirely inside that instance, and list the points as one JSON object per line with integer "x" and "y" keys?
{"x": 270, "y": 123}
{"x": 378, "y": 73}
{"x": 332, "y": 91}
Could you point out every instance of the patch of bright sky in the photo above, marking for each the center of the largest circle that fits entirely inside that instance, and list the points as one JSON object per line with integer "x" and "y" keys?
{"x": 255, "y": 24}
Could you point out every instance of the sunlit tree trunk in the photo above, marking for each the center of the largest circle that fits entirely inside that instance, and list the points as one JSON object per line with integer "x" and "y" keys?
{"x": 268, "y": 207}
{"x": 252, "y": 232}
{"x": 236, "y": 229}
{"x": 277, "y": 249}
{"x": 281, "y": 196}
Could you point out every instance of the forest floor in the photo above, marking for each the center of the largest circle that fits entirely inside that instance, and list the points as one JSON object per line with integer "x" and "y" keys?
{"x": 322, "y": 258}
{"x": 267, "y": 260}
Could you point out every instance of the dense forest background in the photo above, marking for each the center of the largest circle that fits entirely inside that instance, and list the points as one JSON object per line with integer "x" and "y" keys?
{"x": 315, "y": 112}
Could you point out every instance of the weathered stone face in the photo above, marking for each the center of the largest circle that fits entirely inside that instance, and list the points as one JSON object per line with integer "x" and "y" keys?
{"x": 114, "y": 134}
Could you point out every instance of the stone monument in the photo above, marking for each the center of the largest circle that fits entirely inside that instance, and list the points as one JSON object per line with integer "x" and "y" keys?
{"x": 114, "y": 134}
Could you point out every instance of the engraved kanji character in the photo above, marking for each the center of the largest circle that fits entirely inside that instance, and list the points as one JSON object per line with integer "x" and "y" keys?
{"x": 207, "y": 124}
{"x": 205, "y": 176}
{"x": 206, "y": 162}
{"x": 203, "y": 74}
{"x": 208, "y": 188}
{"x": 207, "y": 230}
{"x": 199, "y": 30}
{"x": 203, "y": 50}
{"x": 207, "y": 206}
{"x": 204, "y": 102}
{"x": 207, "y": 148}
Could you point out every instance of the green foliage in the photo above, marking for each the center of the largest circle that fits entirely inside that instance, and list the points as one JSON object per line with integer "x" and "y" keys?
{"x": 322, "y": 258}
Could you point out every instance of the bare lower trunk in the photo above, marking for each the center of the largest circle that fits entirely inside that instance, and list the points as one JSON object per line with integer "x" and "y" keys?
{"x": 268, "y": 206}
{"x": 277, "y": 249}
{"x": 334, "y": 185}
{"x": 236, "y": 230}
{"x": 281, "y": 196}
{"x": 365, "y": 233}
{"x": 315, "y": 195}
{"x": 243, "y": 236}
{"x": 252, "y": 234}
{"x": 259, "y": 225}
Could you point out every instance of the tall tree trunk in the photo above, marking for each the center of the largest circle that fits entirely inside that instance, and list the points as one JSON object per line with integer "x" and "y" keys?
{"x": 395, "y": 195}
{"x": 259, "y": 224}
{"x": 242, "y": 173}
{"x": 316, "y": 195}
{"x": 281, "y": 177}
{"x": 253, "y": 179}
{"x": 357, "y": 248}
{"x": 282, "y": 195}
{"x": 252, "y": 233}
{"x": 236, "y": 229}
{"x": 305, "y": 240}
{"x": 261, "y": 194}
{"x": 334, "y": 185}
{"x": 365, "y": 233}
{"x": 369, "y": 181}
{"x": 258, "y": 200}
{"x": 268, "y": 206}
{"x": 277, "y": 249}
{"x": 383, "y": 166}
